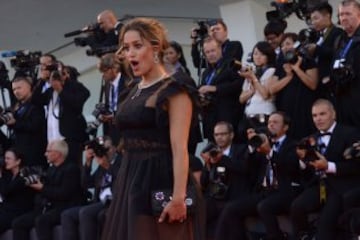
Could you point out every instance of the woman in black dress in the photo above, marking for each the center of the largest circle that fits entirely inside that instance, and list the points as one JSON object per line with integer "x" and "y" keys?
{"x": 296, "y": 88}
{"x": 155, "y": 119}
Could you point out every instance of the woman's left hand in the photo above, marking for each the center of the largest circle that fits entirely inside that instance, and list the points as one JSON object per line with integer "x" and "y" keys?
{"x": 174, "y": 211}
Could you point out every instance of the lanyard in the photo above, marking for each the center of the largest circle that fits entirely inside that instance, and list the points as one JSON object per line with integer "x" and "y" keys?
{"x": 210, "y": 77}
{"x": 346, "y": 49}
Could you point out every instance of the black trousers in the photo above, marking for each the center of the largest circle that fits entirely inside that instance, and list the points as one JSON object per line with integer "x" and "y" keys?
{"x": 231, "y": 225}
{"x": 275, "y": 204}
{"x": 43, "y": 223}
{"x": 309, "y": 202}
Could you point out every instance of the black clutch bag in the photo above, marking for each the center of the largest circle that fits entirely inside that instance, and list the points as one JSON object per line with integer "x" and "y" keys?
{"x": 160, "y": 198}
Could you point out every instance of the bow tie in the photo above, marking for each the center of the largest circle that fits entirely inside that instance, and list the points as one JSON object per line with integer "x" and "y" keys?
{"x": 325, "y": 134}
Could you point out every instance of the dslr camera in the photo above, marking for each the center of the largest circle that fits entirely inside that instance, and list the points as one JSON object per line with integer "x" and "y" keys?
{"x": 262, "y": 134}
{"x": 100, "y": 109}
{"x": 342, "y": 74}
{"x": 236, "y": 66}
{"x": 212, "y": 149}
{"x": 97, "y": 145}
{"x": 32, "y": 174}
{"x": 353, "y": 152}
{"x": 5, "y": 116}
{"x": 309, "y": 144}
{"x": 25, "y": 60}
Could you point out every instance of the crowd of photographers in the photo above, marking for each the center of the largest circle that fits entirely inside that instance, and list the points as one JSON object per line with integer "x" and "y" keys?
{"x": 283, "y": 131}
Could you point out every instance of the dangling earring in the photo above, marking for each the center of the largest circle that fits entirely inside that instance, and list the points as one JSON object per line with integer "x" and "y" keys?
{"x": 156, "y": 58}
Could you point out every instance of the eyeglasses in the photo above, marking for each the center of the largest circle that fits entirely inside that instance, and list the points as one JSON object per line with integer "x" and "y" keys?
{"x": 221, "y": 134}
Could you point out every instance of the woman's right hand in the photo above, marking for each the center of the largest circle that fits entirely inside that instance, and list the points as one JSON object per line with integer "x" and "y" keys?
{"x": 174, "y": 211}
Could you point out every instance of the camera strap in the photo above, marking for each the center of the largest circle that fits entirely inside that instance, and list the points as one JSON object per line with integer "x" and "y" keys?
{"x": 322, "y": 191}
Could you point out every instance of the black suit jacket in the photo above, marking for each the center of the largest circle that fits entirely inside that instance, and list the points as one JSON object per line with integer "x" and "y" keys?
{"x": 29, "y": 133}
{"x": 325, "y": 52}
{"x": 225, "y": 104}
{"x": 236, "y": 172}
{"x": 347, "y": 171}
{"x": 72, "y": 123}
{"x": 17, "y": 197}
{"x": 62, "y": 187}
{"x": 110, "y": 129}
{"x": 285, "y": 164}
{"x": 230, "y": 50}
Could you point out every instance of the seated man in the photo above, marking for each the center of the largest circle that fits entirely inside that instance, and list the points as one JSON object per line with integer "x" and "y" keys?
{"x": 224, "y": 176}
{"x": 332, "y": 174}
{"x": 60, "y": 189}
{"x": 87, "y": 220}
{"x": 272, "y": 168}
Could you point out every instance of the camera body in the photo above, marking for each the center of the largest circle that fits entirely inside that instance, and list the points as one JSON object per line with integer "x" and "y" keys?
{"x": 97, "y": 145}
{"x": 236, "y": 66}
{"x": 309, "y": 144}
{"x": 5, "y": 116}
{"x": 202, "y": 30}
{"x": 25, "y": 60}
{"x": 100, "y": 109}
{"x": 32, "y": 174}
{"x": 342, "y": 74}
{"x": 212, "y": 149}
{"x": 262, "y": 134}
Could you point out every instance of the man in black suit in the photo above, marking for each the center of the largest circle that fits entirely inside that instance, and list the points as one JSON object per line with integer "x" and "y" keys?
{"x": 60, "y": 189}
{"x": 27, "y": 124}
{"x": 116, "y": 80}
{"x": 274, "y": 168}
{"x": 224, "y": 176}
{"x": 109, "y": 23}
{"x": 285, "y": 167}
{"x": 335, "y": 175}
{"x": 217, "y": 29}
{"x": 346, "y": 70}
{"x": 65, "y": 101}
{"x": 323, "y": 49}
{"x": 220, "y": 88}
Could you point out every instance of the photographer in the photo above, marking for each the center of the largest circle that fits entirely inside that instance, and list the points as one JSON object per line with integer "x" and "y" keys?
{"x": 274, "y": 172}
{"x": 58, "y": 190}
{"x": 116, "y": 79}
{"x": 216, "y": 29}
{"x": 108, "y": 22}
{"x": 16, "y": 197}
{"x": 85, "y": 222}
{"x": 48, "y": 63}
{"x": 219, "y": 90}
{"x": 296, "y": 89}
{"x": 346, "y": 72}
{"x": 64, "y": 102}
{"x": 335, "y": 175}
{"x": 323, "y": 49}
{"x": 223, "y": 177}
{"x": 255, "y": 95}
{"x": 27, "y": 124}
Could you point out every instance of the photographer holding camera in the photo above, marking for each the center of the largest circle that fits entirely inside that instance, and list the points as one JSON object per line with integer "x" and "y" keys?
{"x": 323, "y": 49}
{"x": 27, "y": 124}
{"x": 48, "y": 63}
{"x": 346, "y": 72}
{"x": 296, "y": 88}
{"x": 216, "y": 29}
{"x": 85, "y": 222}
{"x": 223, "y": 177}
{"x": 219, "y": 90}
{"x": 335, "y": 175}
{"x": 116, "y": 79}
{"x": 274, "y": 175}
{"x": 58, "y": 190}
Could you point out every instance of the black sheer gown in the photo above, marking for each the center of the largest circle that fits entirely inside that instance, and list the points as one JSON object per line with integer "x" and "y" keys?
{"x": 146, "y": 166}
